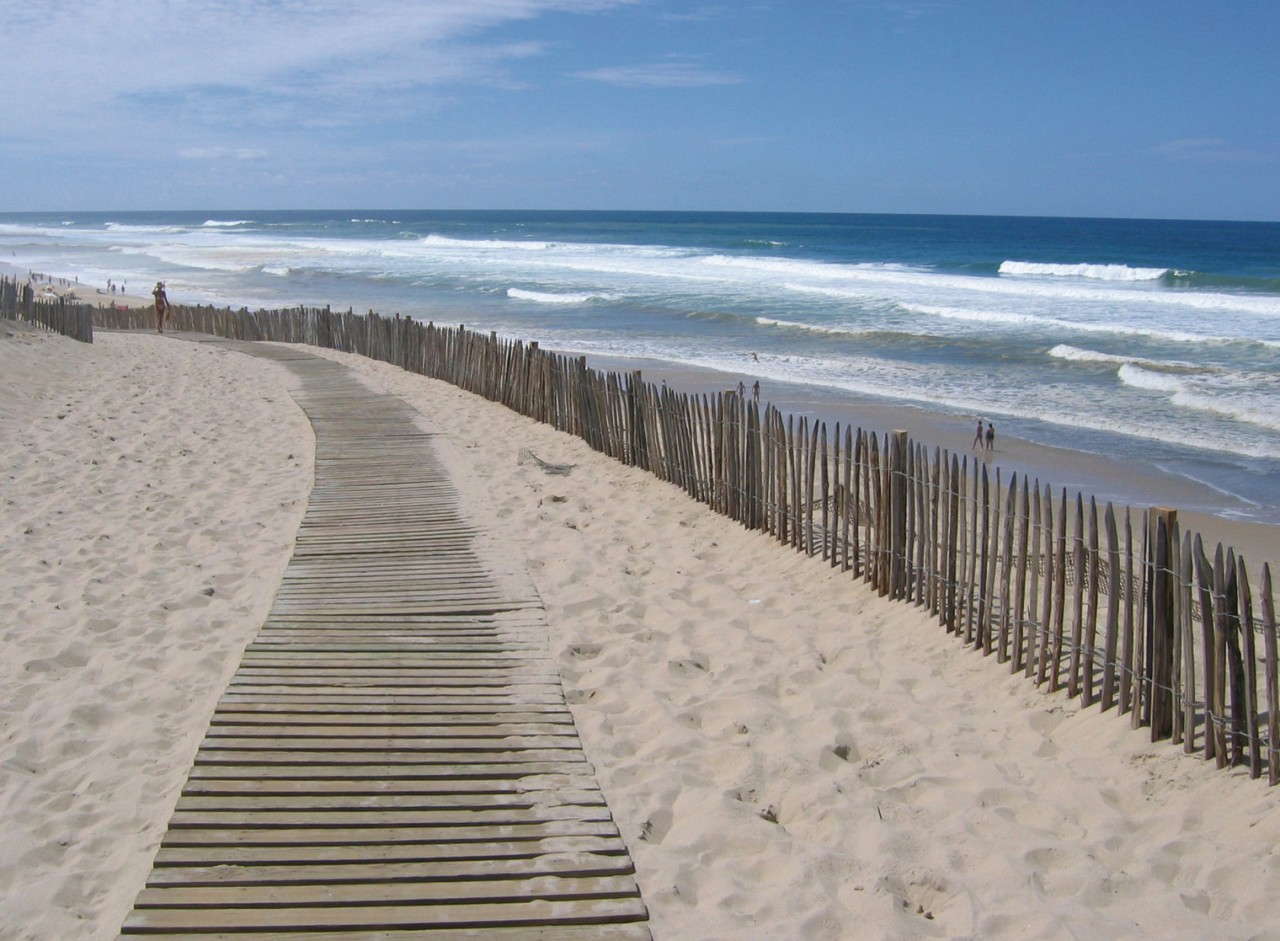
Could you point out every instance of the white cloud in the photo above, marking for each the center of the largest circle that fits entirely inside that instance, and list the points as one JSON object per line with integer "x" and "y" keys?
{"x": 1208, "y": 150}
{"x": 221, "y": 153}
{"x": 673, "y": 73}
{"x": 94, "y": 63}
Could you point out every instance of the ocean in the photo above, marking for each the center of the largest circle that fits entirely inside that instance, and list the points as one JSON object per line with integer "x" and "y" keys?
{"x": 1153, "y": 342}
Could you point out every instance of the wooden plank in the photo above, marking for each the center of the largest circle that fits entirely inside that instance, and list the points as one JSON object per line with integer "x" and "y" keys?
{"x": 448, "y": 755}
{"x": 476, "y": 694}
{"x": 215, "y": 763}
{"x": 385, "y": 835}
{"x": 531, "y": 787}
{"x": 483, "y": 729}
{"x": 589, "y": 910}
{"x": 394, "y": 752}
{"x": 455, "y": 892}
{"x": 577, "y": 865}
{"x": 538, "y": 932}
{"x": 364, "y": 670}
{"x": 388, "y": 686}
{"x": 521, "y": 800}
{"x": 391, "y": 745}
{"x": 363, "y": 818}
{"x": 563, "y": 846}
{"x": 248, "y": 709}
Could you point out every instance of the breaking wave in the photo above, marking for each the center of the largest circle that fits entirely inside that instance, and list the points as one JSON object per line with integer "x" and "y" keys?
{"x": 547, "y": 297}
{"x": 1092, "y": 272}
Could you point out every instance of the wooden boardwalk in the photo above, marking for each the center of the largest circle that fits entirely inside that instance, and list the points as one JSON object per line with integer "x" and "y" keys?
{"x": 393, "y": 759}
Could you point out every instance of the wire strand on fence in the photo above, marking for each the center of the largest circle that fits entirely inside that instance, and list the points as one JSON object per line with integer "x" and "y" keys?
{"x": 932, "y": 533}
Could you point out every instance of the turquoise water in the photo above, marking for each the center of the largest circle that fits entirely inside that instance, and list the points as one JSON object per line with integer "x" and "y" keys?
{"x": 1153, "y": 341}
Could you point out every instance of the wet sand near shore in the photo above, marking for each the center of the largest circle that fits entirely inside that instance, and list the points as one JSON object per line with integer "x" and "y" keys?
{"x": 1204, "y": 510}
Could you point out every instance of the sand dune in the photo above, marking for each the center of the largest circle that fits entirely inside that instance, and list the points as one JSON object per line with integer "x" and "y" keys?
{"x": 787, "y": 755}
{"x": 152, "y": 489}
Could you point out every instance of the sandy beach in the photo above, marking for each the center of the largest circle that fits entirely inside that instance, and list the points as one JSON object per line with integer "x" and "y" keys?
{"x": 787, "y": 755}
{"x": 1216, "y": 515}
{"x": 152, "y": 490}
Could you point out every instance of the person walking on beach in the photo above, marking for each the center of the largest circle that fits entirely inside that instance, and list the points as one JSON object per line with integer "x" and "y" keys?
{"x": 755, "y": 392}
{"x": 977, "y": 436}
{"x": 991, "y": 437}
{"x": 162, "y": 306}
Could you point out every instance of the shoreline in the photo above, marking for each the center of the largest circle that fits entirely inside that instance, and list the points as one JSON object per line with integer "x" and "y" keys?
{"x": 1115, "y": 476}
{"x": 1253, "y": 531}
{"x": 75, "y": 290}
{"x": 1203, "y": 509}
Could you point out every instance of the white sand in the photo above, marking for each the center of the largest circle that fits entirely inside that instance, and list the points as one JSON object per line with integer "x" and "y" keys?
{"x": 916, "y": 789}
{"x": 151, "y": 492}
{"x": 788, "y": 756}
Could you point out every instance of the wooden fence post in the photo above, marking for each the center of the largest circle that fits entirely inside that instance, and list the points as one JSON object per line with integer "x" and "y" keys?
{"x": 1158, "y": 661}
{"x": 898, "y": 485}
{"x": 913, "y": 534}
{"x": 1273, "y": 675}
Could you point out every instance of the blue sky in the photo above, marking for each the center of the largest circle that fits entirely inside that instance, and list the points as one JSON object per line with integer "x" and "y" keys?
{"x": 1093, "y": 108}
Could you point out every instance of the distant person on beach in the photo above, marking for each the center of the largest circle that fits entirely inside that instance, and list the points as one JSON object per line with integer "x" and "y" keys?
{"x": 977, "y": 436}
{"x": 991, "y": 437}
{"x": 162, "y": 306}
{"x": 755, "y": 391}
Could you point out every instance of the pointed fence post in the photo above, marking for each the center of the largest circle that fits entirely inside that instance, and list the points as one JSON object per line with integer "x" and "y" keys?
{"x": 1161, "y": 584}
{"x": 898, "y": 487}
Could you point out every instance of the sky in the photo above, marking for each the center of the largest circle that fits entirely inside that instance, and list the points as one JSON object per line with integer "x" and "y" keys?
{"x": 1111, "y": 108}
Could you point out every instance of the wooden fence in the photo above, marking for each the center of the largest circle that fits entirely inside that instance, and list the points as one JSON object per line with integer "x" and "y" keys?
{"x": 74, "y": 319}
{"x": 1124, "y": 609}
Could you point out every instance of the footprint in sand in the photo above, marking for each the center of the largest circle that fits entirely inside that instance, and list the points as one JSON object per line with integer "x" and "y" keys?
{"x": 72, "y": 658}
{"x": 687, "y": 667}
{"x": 928, "y": 897}
{"x": 656, "y": 826}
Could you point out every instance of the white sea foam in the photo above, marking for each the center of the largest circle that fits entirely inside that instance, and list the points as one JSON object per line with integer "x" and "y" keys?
{"x": 487, "y": 245}
{"x": 122, "y": 227}
{"x": 1002, "y": 345}
{"x": 1240, "y": 408}
{"x": 219, "y": 224}
{"x": 1092, "y": 272}
{"x": 979, "y": 316}
{"x": 1237, "y": 396}
{"x": 793, "y": 268}
{"x": 1112, "y": 326}
{"x": 547, "y": 297}
{"x": 1139, "y": 378}
{"x": 812, "y": 328}
{"x": 1075, "y": 354}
